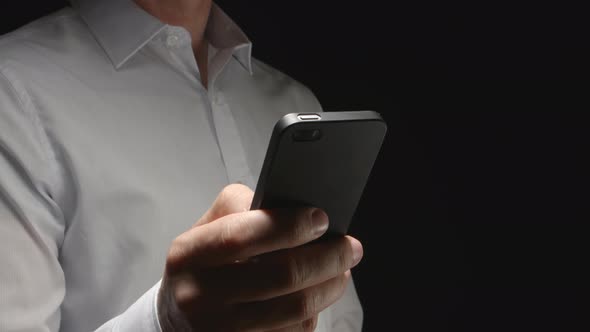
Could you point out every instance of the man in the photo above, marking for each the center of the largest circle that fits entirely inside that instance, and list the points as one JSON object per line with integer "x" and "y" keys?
{"x": 120, "y": 122}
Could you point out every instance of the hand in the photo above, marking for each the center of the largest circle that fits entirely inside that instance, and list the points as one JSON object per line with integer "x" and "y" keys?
{"x": 241, "y": 270}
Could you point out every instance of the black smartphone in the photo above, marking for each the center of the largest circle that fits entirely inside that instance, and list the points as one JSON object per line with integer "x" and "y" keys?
{"x": 321, "y": 160}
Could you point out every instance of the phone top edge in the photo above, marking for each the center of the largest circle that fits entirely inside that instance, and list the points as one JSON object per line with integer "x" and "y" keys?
{"x": 351, "y": 115}
{"x": 330, "y": 116}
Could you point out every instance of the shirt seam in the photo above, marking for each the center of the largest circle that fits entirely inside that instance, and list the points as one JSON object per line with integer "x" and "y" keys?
{"x": 41, "y": 134}
{"x": 27, "y": 29}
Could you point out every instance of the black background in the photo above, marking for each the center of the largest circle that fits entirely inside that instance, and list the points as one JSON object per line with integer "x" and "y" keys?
{"x": 473, "y": 217}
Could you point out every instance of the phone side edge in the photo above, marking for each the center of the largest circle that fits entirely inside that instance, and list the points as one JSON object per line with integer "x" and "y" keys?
{"x": 285, "y": 122}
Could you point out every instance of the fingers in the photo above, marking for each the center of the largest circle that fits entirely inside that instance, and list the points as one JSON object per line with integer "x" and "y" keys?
{"x": 239, "y": 236}
{"x": 284, "y": 272}
{"x": 290, "y": 310}
{"x": 231, "y": 272}
{"x": 305, "y": 326}
{"x": 234, "y": 198}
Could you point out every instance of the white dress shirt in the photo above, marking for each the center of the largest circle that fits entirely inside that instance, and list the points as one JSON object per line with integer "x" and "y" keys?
{"x": 110, "y": 147}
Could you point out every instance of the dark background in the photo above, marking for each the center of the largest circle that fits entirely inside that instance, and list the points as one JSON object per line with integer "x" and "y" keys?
{"x": 473, "y": 219}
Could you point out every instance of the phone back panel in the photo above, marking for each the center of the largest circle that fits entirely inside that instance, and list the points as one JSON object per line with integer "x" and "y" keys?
{"x": 322, "y": 163}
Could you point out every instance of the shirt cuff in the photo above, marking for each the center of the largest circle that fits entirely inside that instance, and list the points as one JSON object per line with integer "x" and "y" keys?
{"x": 156, "y": 314}
{"x": 143, "y": 314}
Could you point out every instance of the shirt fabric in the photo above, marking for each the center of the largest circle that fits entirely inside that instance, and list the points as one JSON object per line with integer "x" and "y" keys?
{"x": 110, "y": 147}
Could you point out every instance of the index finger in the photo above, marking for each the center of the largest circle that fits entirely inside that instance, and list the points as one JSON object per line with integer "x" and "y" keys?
{"x": 247, "y": 234}
{"x": 233, "y": 198}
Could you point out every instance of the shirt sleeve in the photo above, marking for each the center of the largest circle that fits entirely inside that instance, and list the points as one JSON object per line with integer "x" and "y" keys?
{"x": 32, "y": 284}
{"x": 347, "y": 313}
{"x": 32, "y": 228}
{"x": 141, "y": 316}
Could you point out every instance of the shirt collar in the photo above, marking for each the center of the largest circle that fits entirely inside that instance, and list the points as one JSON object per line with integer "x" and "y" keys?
{"x": 123, "y": 28}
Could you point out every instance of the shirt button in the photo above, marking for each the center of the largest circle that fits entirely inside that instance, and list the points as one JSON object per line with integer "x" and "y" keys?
{"x": 173, "y": 41}
{"x": 218, "y": 99}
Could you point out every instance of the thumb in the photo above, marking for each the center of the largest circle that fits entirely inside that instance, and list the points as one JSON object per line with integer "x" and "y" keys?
{"x": 234, "y": 198}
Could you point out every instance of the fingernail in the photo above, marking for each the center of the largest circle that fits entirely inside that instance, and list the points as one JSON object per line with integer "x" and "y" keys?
{"x": 357, "y": 252}
{"x": 319, "y": 218}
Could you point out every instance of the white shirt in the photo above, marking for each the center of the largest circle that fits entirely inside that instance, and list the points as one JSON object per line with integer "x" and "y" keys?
{"x": 110, "y": 147}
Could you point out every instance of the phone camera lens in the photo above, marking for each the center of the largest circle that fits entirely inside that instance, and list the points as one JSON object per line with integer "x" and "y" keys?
{"x": 307, "y": 135}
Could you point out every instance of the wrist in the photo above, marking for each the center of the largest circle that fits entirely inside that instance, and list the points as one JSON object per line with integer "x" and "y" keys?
{"x": 168, "y": 315}
{"x": 162, "y": 312}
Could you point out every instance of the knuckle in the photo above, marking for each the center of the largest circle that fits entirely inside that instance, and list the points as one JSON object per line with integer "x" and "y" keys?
{"x": 185, "y": 295}
{"x": 291, "y": 274}
{"x": 183, "y": 301}
{"x": 305, "y": 305}
{"x": 176, "y": 254}
{"x": 343, "y": 260}
{"x": 237, "y": 187}
{"x": 228, "y": 191}
{"x": 229, "y": 236}
{"x": 235, "y": 198}
{"x": 310, "y": 324}
{"x": 301, "y": 227}
{"x": 235, "y": 232}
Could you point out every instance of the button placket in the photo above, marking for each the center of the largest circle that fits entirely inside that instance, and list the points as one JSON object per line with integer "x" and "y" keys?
{"x": 218, "y": 98}
{"x": 177, "y": 42}
{"x": 231, "y": 147}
